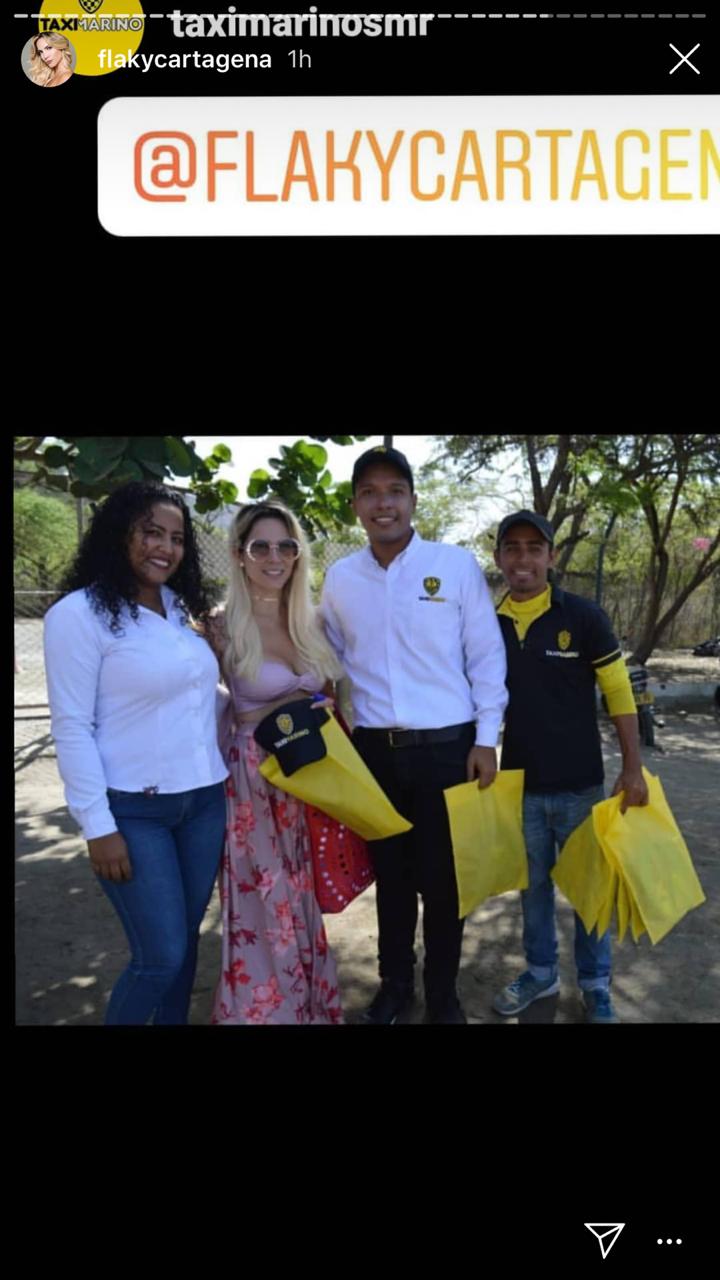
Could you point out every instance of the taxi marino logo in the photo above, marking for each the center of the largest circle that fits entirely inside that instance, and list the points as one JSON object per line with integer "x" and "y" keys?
{"x": 285, "y": 724}
{"x": 564, "y": 639}
{"x": 431, "y": 585}
{"x": 91, "y": 6}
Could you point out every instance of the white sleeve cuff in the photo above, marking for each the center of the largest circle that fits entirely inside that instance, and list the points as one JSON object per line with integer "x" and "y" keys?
{"x": 488, "y": 730}
{"x": 96, "y": 821}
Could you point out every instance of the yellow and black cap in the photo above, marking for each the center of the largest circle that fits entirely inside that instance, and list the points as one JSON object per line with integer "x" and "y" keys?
{"x": 292, "y": 734}
{"x": 538, "y": 522}
{"x": 381, "y": 453}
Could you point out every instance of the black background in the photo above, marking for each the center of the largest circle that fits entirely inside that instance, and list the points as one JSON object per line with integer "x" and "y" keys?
{"x": 364, "y": 333}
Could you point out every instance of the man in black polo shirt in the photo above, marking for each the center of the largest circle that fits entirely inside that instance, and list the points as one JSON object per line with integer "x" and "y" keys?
{"x": 557, "y": 646}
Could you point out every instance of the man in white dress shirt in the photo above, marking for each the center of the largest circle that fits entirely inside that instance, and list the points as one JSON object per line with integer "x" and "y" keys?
{"x": 414, "y": 625}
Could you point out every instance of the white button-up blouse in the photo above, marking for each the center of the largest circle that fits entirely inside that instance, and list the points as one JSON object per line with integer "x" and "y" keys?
{"x": 132, "y": 711}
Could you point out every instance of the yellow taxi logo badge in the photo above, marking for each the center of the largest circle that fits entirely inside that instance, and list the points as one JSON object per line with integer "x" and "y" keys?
{"x": 431, "y": 585}
{"x": 285, "y": 724}
{"x": 564, "y": 639}
{"x": 91, "y": 6}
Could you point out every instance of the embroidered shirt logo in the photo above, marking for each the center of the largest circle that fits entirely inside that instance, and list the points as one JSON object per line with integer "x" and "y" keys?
{"x": 564, "y": 639}
{"x": 431, "y": 585}
{"x": 285, "y": 724}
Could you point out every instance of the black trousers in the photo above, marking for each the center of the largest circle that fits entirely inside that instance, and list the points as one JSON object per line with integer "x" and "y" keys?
{"x": 420, "y": 861}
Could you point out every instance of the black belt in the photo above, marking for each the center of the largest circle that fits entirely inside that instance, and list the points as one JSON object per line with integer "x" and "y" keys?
{"x": 417, "y": 737}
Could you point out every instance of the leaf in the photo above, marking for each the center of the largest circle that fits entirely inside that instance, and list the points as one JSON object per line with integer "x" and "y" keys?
{"x": 147, "y": 449}
{"x": 325, "y": 480}
{"x": 54, "y": 457}
{"x": 126, "y": 471}
{"x": 312, "y": 453}
{"x": 82, "y": 470}
{"x": 81, "y": 490}
{"x": 179, "y": 457}
{"x": 156, "y": 468}
{"x": 222, "y": 453}
{"x": 97, "y": 457}
{"x": 227, "y": 491}
{"x": 56, "y": 482}
{"x": 340, "y": 439}
{"x": 102, "y": 446}
{"x": 258, "y": 484}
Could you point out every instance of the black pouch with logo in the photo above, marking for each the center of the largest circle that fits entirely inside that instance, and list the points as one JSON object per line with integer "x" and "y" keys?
{"x": 292, "y": 734}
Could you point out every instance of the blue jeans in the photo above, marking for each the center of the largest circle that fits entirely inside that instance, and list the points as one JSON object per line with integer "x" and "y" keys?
{"x": 174, "y": 843}
{"x": 548, "y": 820}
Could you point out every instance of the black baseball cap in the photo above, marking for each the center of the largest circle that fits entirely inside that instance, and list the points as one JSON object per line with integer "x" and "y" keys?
{"x": 542, "y": 525}
{"x": 292, "y": 734}
{"x": 381, "y": 453}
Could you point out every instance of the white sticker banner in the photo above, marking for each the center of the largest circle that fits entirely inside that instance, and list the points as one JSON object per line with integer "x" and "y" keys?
{"x": 414, "y": 166}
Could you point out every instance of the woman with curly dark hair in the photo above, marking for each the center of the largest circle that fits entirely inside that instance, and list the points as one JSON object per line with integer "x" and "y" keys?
{"x": 132, "y": 688}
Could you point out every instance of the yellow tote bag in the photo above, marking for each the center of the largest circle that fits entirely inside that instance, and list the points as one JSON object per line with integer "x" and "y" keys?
{"x": 648, "y": 848}
{"x": 487, "y": 838}
{"x": 342, "y": 786}
{"x": 583, "y": 874}
{"x": 601, "y": 814}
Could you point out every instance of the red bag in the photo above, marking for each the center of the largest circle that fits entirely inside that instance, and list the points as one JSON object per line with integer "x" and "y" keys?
{"x": 341, "y": 863}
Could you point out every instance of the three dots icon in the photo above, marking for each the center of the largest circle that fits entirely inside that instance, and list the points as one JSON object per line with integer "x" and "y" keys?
{"x": 669, "y": 1242}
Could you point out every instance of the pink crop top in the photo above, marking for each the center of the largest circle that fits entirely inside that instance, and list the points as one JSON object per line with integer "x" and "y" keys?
{"x": 273, "y": 682}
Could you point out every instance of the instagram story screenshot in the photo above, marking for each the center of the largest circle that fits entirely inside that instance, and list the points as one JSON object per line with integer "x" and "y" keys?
{"x": 314, "y": 222}
{"x": 363, "y": 184}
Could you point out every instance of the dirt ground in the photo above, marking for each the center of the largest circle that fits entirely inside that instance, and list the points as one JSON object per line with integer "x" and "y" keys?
{"x": 70, "y": 947}
{"x": 679, "y": 664}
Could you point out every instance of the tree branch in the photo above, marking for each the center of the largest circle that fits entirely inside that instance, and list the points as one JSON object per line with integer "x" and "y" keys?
{"x": 538, "y": 495}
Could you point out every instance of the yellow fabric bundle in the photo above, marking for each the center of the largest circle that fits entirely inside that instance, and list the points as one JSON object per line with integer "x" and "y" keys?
{"x": 487, "y": 838}
{"x": 342, "y": 786}
{"x": 637, "y": 863}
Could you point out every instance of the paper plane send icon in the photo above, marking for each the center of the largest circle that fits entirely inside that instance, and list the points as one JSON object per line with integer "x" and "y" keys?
{"x": 606, "y": 1234}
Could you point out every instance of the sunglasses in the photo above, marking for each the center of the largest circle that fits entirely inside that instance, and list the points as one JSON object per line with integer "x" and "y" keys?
{"x": 259, "y": 549}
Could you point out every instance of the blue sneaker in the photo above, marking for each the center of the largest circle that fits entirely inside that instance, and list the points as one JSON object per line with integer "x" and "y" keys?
{"x": 520, "y": 993}
{"x": 598, "y": 1006}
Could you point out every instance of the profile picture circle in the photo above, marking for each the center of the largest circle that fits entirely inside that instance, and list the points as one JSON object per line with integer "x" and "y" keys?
{"x": 49, "y": 60}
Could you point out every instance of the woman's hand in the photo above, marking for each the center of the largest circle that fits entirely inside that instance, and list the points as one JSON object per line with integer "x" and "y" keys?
{"x": 109, "y": 857}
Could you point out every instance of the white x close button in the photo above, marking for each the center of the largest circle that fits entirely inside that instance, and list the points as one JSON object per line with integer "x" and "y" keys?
{"x": 684, "y": 59}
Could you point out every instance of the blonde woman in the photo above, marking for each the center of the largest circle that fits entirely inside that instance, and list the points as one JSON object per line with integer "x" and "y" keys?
{"x": 276, "y": 964}
{"x": 50, "y": 60}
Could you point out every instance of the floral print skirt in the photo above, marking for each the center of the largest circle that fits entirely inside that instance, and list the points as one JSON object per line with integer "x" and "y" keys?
{"x": 276, "y": 964}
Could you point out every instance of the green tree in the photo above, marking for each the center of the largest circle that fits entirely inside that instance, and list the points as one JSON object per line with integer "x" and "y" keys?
{"x": 674, "y": 476}
{"x": 575, "y": 479}
{"x": 45, "y": 538}
{"x": 300, "y": 478}
{"x": 92, "y": 466}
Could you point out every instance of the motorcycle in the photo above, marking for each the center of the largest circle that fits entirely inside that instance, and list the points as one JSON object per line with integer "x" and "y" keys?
{"x": 708, "y": 649}
{"x": 645, "y": 704}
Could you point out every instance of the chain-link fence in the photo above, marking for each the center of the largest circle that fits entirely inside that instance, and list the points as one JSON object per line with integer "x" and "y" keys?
{"x": 48, "y": 528}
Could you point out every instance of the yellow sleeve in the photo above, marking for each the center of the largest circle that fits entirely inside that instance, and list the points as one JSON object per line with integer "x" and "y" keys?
{"x": 615, "y": 684}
